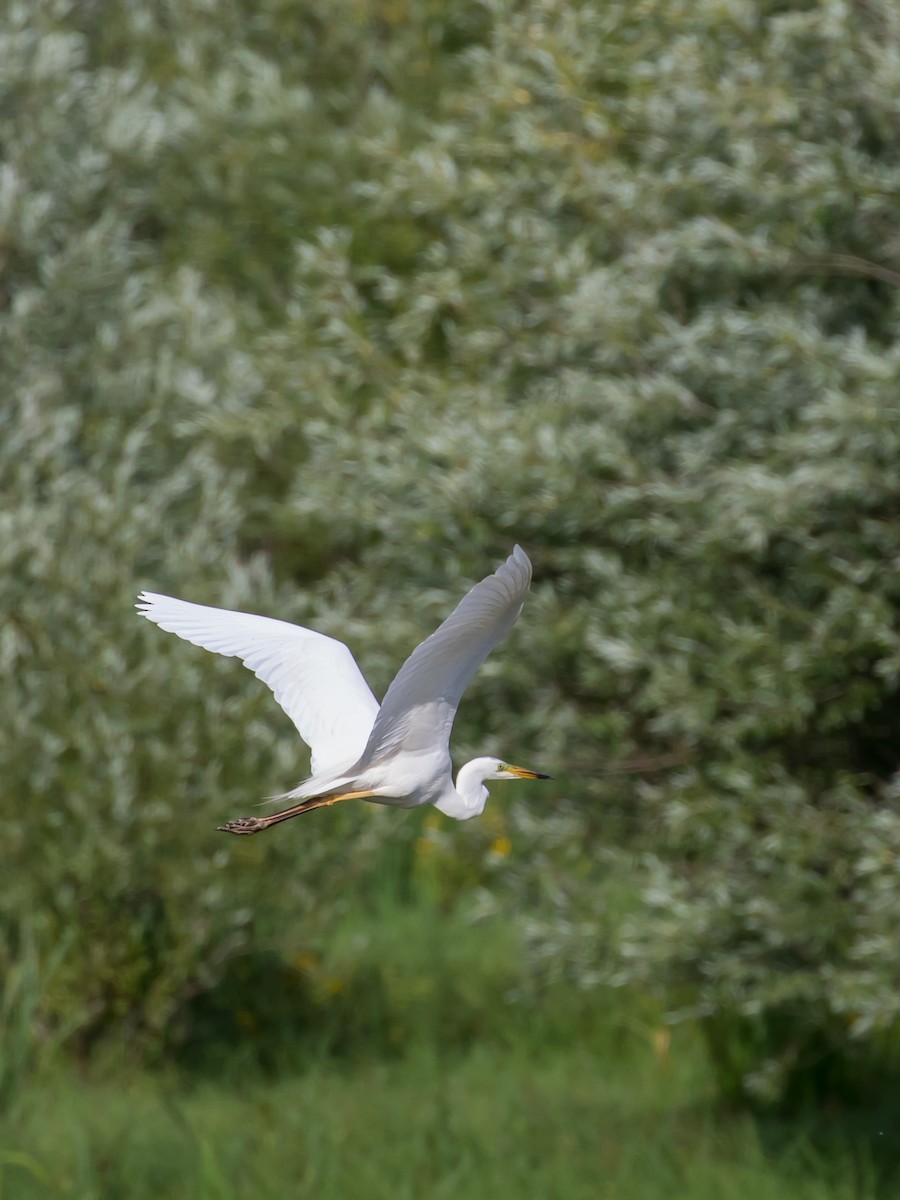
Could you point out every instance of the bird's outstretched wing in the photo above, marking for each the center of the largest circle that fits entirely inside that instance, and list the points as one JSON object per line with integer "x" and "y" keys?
{"x": 315, "y": 678}
{"x": 417, "y": 712}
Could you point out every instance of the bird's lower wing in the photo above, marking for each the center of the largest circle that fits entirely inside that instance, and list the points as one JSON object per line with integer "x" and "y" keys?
{"x": 421, "y": 703}
{"x": 315, "y": 678}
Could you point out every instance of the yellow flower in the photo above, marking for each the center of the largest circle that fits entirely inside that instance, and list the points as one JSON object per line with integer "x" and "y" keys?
{"x": 501, "y": 846}
{"x": 662, "y": 1040}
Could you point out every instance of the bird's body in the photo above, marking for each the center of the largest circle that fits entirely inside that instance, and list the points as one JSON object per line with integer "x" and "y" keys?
{"x": 397, "y": 753}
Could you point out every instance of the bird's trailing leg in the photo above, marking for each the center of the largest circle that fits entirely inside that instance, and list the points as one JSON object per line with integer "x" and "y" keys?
{"x": 247, "y": 825}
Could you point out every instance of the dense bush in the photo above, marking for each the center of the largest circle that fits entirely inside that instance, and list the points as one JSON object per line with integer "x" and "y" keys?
{"x": 316, "y": 316}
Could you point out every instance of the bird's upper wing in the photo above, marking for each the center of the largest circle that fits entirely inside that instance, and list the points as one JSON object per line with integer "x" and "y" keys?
{"x": 418, "y": 710}
{"x": 315, "y": 678}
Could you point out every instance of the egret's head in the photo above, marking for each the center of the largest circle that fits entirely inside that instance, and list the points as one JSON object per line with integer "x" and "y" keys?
{"x": 505, "y": 770}
{"x": 469, "y": 798}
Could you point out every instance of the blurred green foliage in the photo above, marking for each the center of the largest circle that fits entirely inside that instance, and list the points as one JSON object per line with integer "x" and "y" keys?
{"x": 315, "y": 314}
{"x": 509, "y": 1125}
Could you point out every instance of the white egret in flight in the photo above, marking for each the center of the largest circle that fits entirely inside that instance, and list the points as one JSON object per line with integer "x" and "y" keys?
{"x": 397, "y": 753}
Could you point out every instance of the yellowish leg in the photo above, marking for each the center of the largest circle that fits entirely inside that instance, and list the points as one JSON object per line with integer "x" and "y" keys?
{"x": 258, "y": 824}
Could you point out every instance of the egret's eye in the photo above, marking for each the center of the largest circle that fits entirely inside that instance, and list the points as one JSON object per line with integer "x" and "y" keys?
{"x": 502, "y": 767}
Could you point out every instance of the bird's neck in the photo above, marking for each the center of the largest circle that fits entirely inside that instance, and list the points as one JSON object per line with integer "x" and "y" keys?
{"x": 469, "y": 796}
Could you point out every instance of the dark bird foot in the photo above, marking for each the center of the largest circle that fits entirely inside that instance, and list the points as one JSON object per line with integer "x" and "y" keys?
{"x": 244, "y": 825}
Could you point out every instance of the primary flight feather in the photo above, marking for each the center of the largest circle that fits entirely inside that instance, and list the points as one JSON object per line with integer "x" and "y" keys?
{"x": 397, "y": 753}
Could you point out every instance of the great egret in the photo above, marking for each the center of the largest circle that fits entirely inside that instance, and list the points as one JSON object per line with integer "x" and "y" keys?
{"x": 396, "y": 754}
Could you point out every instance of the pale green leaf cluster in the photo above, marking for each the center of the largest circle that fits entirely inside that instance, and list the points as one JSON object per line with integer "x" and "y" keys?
{"x": 316, "y": 314}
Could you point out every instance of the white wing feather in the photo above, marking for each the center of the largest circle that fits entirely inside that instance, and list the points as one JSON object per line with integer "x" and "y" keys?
{"x": 315, "y": 678}
{"x": 418, "y": 711}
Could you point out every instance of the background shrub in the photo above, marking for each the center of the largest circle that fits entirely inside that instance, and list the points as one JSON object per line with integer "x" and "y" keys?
{"x": 316, "y": 317}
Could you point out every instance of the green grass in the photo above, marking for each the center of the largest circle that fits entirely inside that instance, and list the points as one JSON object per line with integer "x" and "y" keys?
{"x": 488, "y": 1123}
{"x": 430, "y": 1066}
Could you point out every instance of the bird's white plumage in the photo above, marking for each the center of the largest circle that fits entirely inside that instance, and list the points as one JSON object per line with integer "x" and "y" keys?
{"x": 398, "y": 754}
{"x": 315, "y": 678}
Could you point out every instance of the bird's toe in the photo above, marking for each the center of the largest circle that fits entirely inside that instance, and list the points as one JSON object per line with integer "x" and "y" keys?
{"x": 243, "y": 825}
